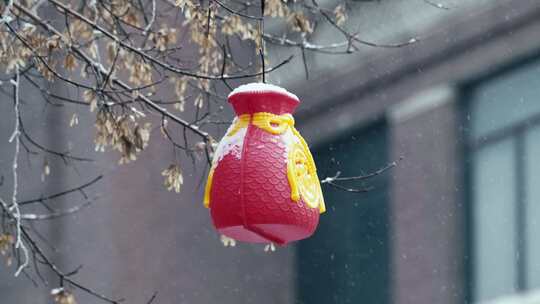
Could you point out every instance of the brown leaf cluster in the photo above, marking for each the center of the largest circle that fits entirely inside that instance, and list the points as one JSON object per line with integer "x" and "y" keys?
{"x": 122, "y": 133}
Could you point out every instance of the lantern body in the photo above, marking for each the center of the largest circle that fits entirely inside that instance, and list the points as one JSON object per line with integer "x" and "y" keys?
{"x": 263, "y": 185}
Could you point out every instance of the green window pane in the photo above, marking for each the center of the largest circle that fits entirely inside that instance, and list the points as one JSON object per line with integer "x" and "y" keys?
{"x": 506, "y": 100}
{"x": 347, "y": 260}
{"x": 532, "y": 228}
{"x": 494, "y": 213}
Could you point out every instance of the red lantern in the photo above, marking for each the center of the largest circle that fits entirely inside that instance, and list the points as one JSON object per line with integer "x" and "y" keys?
{"x": 263, "y": 184}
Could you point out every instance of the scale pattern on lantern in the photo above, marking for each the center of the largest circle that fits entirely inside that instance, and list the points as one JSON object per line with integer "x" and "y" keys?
{"x": 263, "y": 184}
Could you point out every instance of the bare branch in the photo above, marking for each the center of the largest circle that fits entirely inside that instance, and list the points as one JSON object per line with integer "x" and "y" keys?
{"x": 14, "y": 207}
{"x": 361, "y": 177}
{"x": 62, "y": 193}
{"x": 331, "y": 180}
{"x": 145, "y": 55}
{"x": 437, "y": 4}
{"x": 56, "y": 213}
{"x": 230, "y": 10}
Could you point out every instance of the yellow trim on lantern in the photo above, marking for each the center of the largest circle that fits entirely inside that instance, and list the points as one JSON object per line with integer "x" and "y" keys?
{"x": 274, "y": 124}
{"x": 301, "y": 169}
{"x": 208, "y": 187}
{"x": 241, "y": 122}
{"x": 302, "y": 174}
{"x": 291, "y": 176}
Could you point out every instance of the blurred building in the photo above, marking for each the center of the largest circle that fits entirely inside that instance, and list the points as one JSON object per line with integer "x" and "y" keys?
{"x": 458, "y": 220}
{"x": 455, "y": 222}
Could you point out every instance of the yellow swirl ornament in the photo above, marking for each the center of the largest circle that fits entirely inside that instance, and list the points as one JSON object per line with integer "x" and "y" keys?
{"x": 302, "y": 175}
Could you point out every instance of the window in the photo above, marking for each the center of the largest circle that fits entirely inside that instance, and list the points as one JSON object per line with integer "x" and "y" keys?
{"x": 504, "y": 148}
{"x": 347, "y": 260}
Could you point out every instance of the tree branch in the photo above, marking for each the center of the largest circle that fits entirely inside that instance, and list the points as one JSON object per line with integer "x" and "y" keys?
{"x": 62, "y": 193}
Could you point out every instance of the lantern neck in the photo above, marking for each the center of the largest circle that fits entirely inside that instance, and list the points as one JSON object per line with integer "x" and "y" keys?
{"x": 259, "y": 97}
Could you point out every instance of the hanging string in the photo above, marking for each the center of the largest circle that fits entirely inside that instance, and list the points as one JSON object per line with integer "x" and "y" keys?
{"x": 261, "y": 47}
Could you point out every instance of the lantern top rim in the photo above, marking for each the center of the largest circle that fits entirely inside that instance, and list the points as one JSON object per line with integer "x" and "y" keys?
{"x": 260, "y": 88}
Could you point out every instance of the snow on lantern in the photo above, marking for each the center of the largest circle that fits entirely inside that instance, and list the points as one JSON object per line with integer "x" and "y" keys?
{"x": 263, "y": 185}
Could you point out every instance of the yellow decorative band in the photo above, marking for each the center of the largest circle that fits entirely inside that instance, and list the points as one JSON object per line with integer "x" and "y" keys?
{"x": 274, "y": 124}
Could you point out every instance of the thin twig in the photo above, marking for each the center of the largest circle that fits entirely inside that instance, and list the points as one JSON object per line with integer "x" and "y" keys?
{"x": 56, "y": 213}
{"x": 436, "y": 4}
{"x": 144, "y": 55}
{"x": 62, "y": 193}
{"x": 261, "y": 33}
{"x": 152, "y": 298}
{"x": 152, "y": 18}
{"x": 6, "y": 16}
{"x": 331, "y": 180}
{"x": 361, "y": 177}
{"x": 234, "y": 12}
{"x": 15, "y": 136}
{"x": 355, "y": 190}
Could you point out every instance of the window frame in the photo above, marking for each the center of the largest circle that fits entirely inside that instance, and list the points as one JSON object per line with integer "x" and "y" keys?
{"x": 469, "y": 146}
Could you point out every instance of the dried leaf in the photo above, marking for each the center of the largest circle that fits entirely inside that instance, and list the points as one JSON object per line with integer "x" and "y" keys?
{"x": 70, "y": 63}
{"x": 341, "y": 14}
{"x": 173, "y": 178}
{"x": 227, "y": 241}
{"x": 300, "y": 23}
{"x": 74, "y": 120}
{"x": 90, "y": 97}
